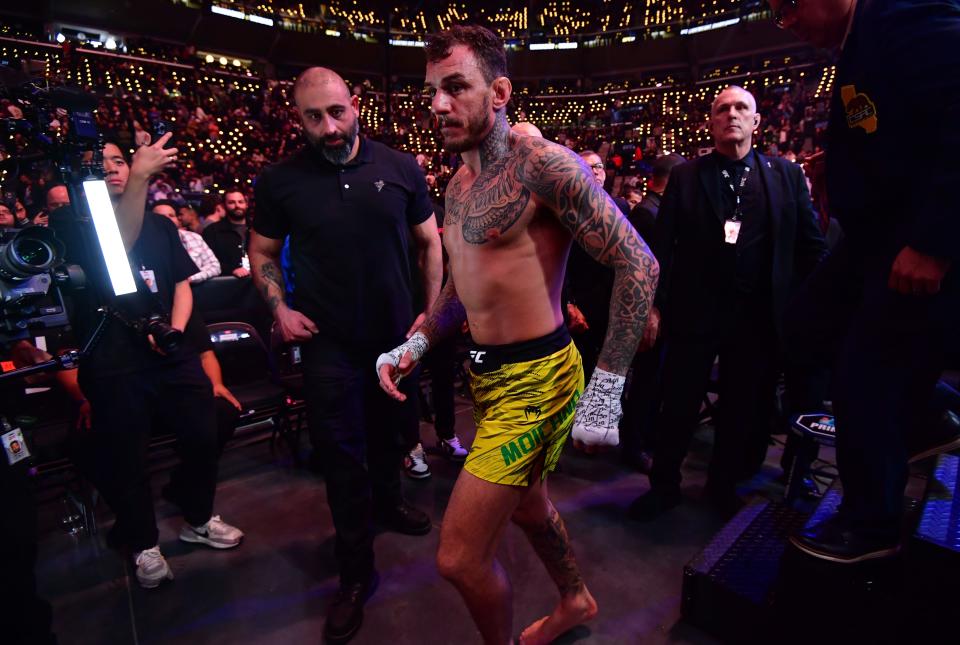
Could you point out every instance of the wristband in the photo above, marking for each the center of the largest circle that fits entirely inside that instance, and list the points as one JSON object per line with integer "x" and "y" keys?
{"x": 417, "y": 345}
{"x": 599, "y": 410}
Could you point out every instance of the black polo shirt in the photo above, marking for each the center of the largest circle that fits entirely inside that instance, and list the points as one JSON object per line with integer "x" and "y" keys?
{"x": 751, "y": 259}
{"x": 349, "y": 229}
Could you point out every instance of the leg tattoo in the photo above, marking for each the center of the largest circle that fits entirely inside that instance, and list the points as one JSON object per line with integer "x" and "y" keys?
{"x": 549, "y": 539}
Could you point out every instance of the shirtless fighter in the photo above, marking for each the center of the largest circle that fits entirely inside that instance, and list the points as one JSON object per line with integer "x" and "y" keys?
{"x": 512, "y": 211}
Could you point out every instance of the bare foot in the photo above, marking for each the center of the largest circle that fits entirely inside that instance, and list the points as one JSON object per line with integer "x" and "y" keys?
{"x": 570, "y": 612}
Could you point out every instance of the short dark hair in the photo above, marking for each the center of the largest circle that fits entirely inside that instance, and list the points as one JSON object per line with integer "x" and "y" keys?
{"x": 234, "y": 189}
{"x": 663, "y": 165}
{"x": 207, "y": 206}
{"x": 107, "y": 140}
{"x": 164, "y": 202}
{"x": 485, "y": 45}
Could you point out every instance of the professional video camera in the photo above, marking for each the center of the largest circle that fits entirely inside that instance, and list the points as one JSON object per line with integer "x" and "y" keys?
{"x": 34, "y": 279}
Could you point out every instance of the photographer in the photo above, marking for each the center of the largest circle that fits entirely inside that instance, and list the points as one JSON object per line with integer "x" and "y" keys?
{"x": 138, "y": 373}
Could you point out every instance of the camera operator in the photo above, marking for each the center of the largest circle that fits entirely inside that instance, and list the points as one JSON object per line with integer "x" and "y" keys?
{"x": 138, "y": 373}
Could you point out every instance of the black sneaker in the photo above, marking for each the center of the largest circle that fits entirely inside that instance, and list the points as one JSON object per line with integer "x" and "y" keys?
{"x": 834, "y": 540}
{"x": 404, "y": 518}
{"x": 345, "y": 613}
{"x": 654, "y": 503}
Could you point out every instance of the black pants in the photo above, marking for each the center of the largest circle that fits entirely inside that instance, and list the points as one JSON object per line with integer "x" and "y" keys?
{"x": 24, "y": 617}
{"x": 356, "y": 429}
{"x": 178, "y": 397}
{"x": 226, "y": 416}
{"x": 745, "y": 341}
{"x": 441, "y": 361}
{"x": 887, "y": 352}
{"x": 637, "y": 427}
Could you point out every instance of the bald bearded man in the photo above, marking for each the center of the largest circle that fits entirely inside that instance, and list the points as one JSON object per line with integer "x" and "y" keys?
{"x": 350, "y": 207}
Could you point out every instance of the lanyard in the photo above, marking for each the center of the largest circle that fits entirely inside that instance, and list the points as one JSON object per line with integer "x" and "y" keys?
{"x": 736, "y": 190}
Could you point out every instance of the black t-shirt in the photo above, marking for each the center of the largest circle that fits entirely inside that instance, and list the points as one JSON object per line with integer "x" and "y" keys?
{"x": 349, "y": 229}
{"x": 195, "y": 334}
{"x": 122, "y": 350}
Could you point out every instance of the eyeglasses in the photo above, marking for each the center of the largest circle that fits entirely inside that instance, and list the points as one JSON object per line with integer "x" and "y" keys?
{"x": 783, "y": 15}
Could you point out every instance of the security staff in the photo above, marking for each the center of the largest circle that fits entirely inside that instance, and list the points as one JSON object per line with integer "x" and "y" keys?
{"x": 734, "y": 234}
{"x": 886, "y": 302}
{"x": 350, "y": 206}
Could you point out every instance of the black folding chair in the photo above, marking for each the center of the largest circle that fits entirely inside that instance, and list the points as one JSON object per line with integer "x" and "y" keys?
{"x": 251, "y": 374}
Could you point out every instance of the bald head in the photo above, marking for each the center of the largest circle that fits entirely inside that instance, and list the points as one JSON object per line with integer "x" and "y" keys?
{"x": 733, "y": 119}
{"x": 737, "y": 92}
{"x": 320, "y": 78}
{"x": 330, "y": 115}
{"x": 527, "y": 129}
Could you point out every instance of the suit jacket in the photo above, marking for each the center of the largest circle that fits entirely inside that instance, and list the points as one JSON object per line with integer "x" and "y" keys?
{"x": 226, "y": 244}
{"x": 644, "y": 216}
{"x": 689, "y": 245}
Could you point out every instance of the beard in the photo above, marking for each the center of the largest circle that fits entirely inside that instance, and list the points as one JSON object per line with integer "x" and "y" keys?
{"x": 339, "y": 154}
{"x": 476, "y": 127}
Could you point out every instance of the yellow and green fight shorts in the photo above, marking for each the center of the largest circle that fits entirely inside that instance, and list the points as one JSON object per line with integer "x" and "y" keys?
{"x": 524, "y": 395}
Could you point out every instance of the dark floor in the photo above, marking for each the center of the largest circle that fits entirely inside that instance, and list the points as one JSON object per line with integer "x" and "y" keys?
{"x": 275, "y": 586}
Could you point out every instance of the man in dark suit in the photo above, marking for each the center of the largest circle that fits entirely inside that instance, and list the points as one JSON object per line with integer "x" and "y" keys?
{"x": 637, "y": 439}
{"x": 890, "y": 287}
{"x": 735, "y": 234}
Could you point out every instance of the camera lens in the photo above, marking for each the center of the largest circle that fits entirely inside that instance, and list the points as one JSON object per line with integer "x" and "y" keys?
{"x": 32, "y": 253}
{"x": 166, "y": 337}
{"x": 29, "y": 252}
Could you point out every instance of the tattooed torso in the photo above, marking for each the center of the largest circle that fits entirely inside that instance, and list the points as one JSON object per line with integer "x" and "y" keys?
{"x": 508, "y": 231}
{"x": 507, "y": 252}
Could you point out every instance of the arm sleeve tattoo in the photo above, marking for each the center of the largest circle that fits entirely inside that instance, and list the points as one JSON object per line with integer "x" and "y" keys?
{"x": 447, "y": 316}
{"x": 562, "y": 181}
{"x": 270, "y": 281}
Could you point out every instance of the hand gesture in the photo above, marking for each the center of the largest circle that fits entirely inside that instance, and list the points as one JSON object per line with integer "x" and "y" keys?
{"x": 148, "y": 160}
{"x": 294, "y": 326}
{"x": 390, "y": 376}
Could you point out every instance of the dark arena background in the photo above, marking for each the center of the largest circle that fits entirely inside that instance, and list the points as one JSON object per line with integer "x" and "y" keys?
{"x": 634, "y": 82}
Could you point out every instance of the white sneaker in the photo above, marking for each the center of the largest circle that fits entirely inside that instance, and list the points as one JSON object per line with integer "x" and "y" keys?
{"x": 152, "y": 568}
{"x": 415, "y": 463}
{"x": 215, "y": 533}
{"x": 452, "y": 449}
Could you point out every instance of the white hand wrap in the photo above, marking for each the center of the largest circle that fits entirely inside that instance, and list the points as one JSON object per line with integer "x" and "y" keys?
{"x": 417, "y": 345}
{"x": 599, "y": 411}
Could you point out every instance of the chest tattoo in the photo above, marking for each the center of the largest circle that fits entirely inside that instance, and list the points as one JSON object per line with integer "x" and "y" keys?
{"x": 486, "y": 210}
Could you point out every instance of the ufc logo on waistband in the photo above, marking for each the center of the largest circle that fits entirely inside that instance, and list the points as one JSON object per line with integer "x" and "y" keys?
{"x": 476, "y": 357}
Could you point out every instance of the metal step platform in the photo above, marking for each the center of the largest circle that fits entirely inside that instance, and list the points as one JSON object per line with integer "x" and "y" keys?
{"x": 750, "y": 586}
